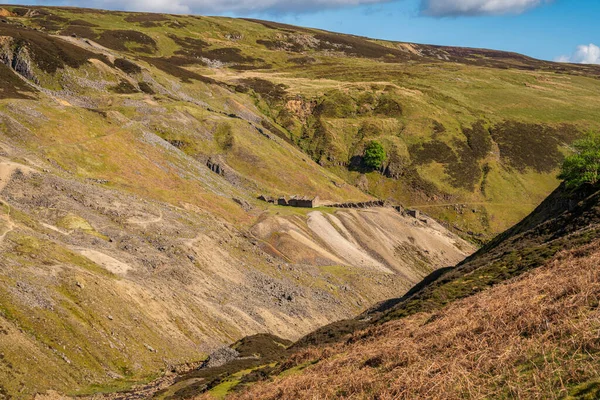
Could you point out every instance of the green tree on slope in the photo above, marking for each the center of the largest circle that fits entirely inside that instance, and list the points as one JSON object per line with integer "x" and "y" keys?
{"x": 374, "y": 155}
{"x": 584, "y": 165}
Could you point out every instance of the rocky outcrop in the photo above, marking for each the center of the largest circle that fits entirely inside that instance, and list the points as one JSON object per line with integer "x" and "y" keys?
{"x": 220, "y": 357}
{"x": 301, "y": 108}
{"x": 17, "y": 57}
{"x": 215, "y": 165}
{"x": 362, "y": 204}
{"x": 5, "y": 13}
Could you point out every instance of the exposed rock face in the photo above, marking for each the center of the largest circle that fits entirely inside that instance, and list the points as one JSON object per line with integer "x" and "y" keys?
{"x": 219, "y": 357}
{"x": 6, "y": 52}
{"x": 374, "y": 240}
{"x": 215, "y": 165}
{"x": 5, "y": 13}
{"x": 301, "y": 108}
{"x": 17, "y": 57}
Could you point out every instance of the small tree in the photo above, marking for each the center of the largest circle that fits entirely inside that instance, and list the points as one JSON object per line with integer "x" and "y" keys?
{"x": 583, "y": 166}
{"x": 374, "y": 155}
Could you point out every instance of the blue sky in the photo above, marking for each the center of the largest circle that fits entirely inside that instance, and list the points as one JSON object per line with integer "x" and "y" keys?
{"x": 546, "y": 29}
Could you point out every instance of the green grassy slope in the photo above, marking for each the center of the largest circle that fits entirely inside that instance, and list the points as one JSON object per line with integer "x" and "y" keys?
{"x": 473, "y": 137}
{"x": 458, "y": 125}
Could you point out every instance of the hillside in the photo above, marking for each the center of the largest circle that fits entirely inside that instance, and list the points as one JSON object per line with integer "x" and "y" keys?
{"x": 134, "y": 148}
{"x": 565, "y": 220}
{"x": 132, "y": 239}
{"x": 534, "y": 337}
{"x": 519, "y": 318}
{"x": 473, "y": 137}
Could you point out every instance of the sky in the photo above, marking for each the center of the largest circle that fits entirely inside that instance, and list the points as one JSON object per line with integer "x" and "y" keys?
{"x": 559, "y": 30}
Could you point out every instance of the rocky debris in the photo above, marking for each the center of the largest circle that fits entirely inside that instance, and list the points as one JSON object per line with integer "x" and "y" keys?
{"x": 363, "y": 183}
{"x": 149, "y": 348}
{"x": 234, "y": 36}
{"x": 243, "y": 203}
{"x": 220, "y": 357}
{"x": 413, "y": 213}
{"x": 267, "y": 199}
{"x": 215, "y": 166}
{"x": 363, "y": 204}
{"x": 32, "y": 296}
{"x": 301, "y": 108}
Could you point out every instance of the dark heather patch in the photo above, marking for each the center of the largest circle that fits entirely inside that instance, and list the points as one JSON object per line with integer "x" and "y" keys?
{"x": 50, "y": 22}
{"x": 266, "y": 89}
{"x": 229, "y": 55}
{"x": 388, "y": 106}
{"x": 532, "y": 146}
{"x": 48, "y": 25}
{"x": 435, "y": 150}
{"x": 165, "y": 65}
{"x": 281, "y": 45}
{"x": 189, "y": 46}
{"x": 146, "y": 17}
{"x": 80, "y": 31}
{"x": 465, "y": 172}
{"x": 146, "y": 88}
{"x": 127, "y": 66}
{"x": 12, "y": 87}
{"x": 20, "y": 11}
{"x": 279, "y": 26}
{"x": 116, "y": 39}
{"x": 359, "y": 47}
{"x": 336, "y": 104}
{"x": 49, "y": 53}
{"x": 81, "y": 22}
{"x": 302, "y": 60}
{"x": 42, "y": 11}
{"x": 478, "y": 140}
{"x": 461, "y": 160}
{"x": 181, "y": 61}
{"x": 149, "y": 24}
{"x": 124, "y": 87}
{"x": 438, "y": 127}
{"x": 503, "y": 60}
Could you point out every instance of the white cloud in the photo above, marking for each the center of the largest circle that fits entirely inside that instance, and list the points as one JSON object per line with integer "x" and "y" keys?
{"x": 584, "y": 54}
{"x": 453, "y": 8}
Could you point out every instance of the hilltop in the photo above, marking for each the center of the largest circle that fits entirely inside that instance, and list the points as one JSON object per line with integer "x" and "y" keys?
{"x": 134, "y": 148}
